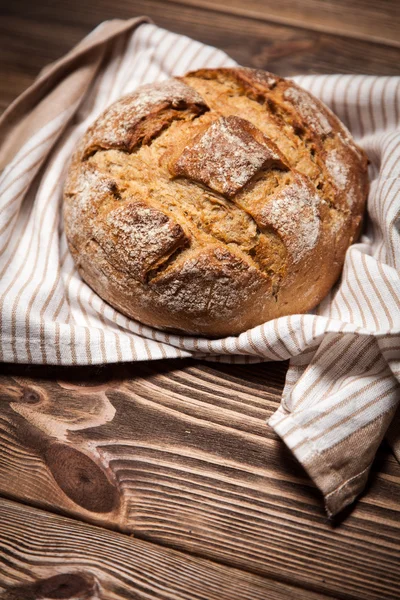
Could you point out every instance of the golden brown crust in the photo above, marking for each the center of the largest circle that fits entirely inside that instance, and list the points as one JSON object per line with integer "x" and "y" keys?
{"x": 227, "y": 155}
{"x": 140, "y": 116}
{"x": 138, "y": 238}
{"x": 212, "y": 203}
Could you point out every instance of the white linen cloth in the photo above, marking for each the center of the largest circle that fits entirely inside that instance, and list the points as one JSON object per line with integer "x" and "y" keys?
{"x": 342, "y": 387}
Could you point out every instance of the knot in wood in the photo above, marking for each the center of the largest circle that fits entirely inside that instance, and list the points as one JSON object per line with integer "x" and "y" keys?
{"x": 68, "y": 585}
{"x": 81, "y": 479}
{"x": 30, "y": 396}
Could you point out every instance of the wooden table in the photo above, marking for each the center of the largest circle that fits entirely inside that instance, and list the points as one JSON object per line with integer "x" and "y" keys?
{"x": 162, "y": 480}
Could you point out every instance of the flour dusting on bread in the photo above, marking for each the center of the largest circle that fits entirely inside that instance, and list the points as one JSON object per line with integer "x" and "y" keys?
{"x": 227, "y": 156}
{"x": 294, "y": 214}
{"x": 215, "y": 202}
{"x": 117, "y": 126}
{"x": 309, "y": 110}
{"x": 337, "y": 168}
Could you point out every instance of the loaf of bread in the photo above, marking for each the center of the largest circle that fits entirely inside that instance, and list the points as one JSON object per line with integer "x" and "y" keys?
{"x": 212, "y": 203}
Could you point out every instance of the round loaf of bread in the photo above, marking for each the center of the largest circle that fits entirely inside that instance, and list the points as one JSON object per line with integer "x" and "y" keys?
{"x": 211, "y": 203}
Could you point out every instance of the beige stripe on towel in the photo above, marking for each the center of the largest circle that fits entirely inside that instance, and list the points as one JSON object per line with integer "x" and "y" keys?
{"x": 342, "y": 387}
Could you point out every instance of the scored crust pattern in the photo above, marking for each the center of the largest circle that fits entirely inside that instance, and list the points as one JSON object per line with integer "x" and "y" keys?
{"x": 212, "y": 203}
{"x": 136, "y": 118}
{"x": 227, "y": 156}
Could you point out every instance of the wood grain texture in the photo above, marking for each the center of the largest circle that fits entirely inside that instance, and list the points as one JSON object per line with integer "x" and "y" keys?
{"x": 34, "y": 34}
{"x": 359, "y": 19}
{"x": 178, "y": 453}
{"x": 44, "y": 556}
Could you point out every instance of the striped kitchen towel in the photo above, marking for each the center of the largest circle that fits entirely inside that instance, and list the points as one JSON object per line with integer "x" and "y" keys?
{"x": 342, "y": 387}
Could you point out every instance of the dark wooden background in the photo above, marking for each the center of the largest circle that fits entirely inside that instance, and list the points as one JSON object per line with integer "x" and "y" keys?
{"x": 285, "y": 36}
{"x": 177, "y": 454}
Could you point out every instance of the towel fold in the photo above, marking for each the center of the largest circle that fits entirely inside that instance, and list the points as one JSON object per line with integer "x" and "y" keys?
{"x": 342, "y": 387}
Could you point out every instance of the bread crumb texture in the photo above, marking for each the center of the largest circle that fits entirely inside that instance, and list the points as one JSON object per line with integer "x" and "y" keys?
{"x": 214, "y": 202}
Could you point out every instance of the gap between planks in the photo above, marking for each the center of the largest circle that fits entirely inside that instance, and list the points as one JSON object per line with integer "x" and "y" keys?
{"x": 43, "y": 555}
{"x": 179, "y": 461}
{"x": 337, "y": 17}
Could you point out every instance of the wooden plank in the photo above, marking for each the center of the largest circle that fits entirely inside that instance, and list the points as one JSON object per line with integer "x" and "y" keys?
{"x": 47, "y": 556}
{"x": 178, "y": 453}
{"x": 33, "y": 34}
{"x": 359, "y": 19}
